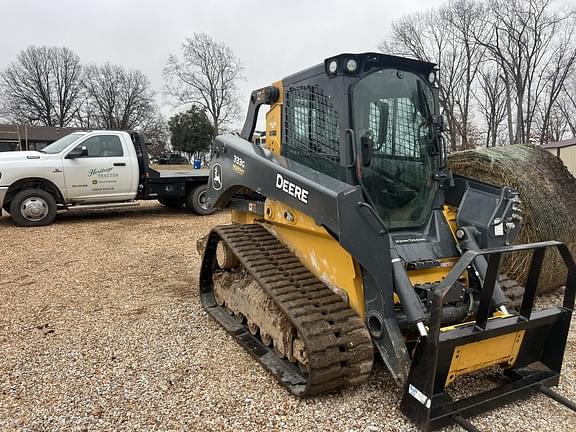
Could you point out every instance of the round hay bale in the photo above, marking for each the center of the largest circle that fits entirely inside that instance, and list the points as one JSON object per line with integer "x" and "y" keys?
{"x": 548, "y": 194}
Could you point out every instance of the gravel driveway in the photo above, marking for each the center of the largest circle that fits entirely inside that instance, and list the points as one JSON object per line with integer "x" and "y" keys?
{"x": 101, "y": 329}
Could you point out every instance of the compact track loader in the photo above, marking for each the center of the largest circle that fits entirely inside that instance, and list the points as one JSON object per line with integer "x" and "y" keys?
{"x": 349, "y": 236}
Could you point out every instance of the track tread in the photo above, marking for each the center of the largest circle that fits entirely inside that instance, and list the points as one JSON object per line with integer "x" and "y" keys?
{"x": 340, "y": 351}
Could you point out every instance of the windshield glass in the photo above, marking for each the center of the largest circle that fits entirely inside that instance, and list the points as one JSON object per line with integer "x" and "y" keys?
{"x": 61, "y": 144}
{"x": 393, "y": 121}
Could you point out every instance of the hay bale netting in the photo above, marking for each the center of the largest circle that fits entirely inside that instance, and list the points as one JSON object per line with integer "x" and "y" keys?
{"x": 548, "y": 194}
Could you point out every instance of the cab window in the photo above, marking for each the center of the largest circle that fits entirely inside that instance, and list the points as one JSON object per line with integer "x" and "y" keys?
{"x": 311, "y": 134}
{"x": 102, "y": 146}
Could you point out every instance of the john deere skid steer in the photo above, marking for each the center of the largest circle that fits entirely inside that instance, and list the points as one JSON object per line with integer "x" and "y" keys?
{"x": 349, "y": 237}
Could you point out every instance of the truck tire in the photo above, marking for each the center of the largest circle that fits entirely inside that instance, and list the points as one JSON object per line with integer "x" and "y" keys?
{"x": 196, "y": 201}
{"x": 174, "y": 203}
{"x": 33, "y": 207}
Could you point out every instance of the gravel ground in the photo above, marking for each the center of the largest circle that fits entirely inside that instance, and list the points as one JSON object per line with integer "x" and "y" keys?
{"x": 101, "y": 329}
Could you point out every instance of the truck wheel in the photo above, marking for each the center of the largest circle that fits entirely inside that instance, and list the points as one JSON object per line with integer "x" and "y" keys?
{"x": 174, "y": 203}
{"x": 33, "y": 207}
{"x": 196, "y": 201}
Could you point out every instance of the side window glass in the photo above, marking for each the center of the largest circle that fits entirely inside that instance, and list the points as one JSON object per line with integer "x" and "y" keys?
{"x": 103, "y": 146}
{"x": 311, "y": 134}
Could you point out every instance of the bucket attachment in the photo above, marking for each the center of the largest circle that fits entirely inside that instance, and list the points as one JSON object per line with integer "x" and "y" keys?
{"x": 529, "y": 346}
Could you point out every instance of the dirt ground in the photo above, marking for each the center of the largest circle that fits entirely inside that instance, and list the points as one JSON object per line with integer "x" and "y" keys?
{"x": 101, "y": 329}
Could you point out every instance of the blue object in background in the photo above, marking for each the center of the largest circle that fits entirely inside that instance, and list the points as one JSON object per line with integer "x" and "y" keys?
{"x": 197, "y": 164}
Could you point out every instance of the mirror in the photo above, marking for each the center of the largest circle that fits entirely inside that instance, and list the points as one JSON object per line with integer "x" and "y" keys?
{"x": 78, "y": 152}
{"x": 440, "y": 123}
{"x": 366, "y": 148}
{"x": 428, "y": 146}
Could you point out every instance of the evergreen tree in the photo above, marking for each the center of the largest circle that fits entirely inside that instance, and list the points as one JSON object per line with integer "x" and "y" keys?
{"x": 191, "y": 132}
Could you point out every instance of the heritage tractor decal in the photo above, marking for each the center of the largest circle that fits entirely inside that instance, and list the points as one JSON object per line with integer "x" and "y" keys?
{"x": 102, "y": 179}
{"x": 102, "y": 172}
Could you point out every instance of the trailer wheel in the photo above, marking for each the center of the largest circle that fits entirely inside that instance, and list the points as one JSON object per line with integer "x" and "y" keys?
{"x": 196, "y": 201}
{"x": 174, "y": 203}
{"x": 33, "y": 207}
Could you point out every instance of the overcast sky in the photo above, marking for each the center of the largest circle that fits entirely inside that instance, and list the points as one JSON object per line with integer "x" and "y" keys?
{"x": 271, "y": 39}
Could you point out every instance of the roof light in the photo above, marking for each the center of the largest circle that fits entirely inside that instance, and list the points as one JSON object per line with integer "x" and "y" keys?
{"x": 333, "y": 66}
{"x": 351, "y": 65}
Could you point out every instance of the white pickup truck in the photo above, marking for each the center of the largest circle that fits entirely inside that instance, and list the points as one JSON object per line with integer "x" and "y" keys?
{"x": 88, "y": 170}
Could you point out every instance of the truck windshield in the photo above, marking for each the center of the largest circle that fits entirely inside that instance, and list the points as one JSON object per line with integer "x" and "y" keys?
{"x": 393, "y": 121}
{"x": 61, "y": 144}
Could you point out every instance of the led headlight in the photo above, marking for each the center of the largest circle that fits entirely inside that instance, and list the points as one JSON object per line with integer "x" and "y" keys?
{"x": 351, "y": 65}
{"x": 432, "y": 77}
{"x": 333, "y": 66}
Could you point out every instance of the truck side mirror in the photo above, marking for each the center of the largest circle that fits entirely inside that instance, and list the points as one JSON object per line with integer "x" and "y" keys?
{"x": 77, "y": 152}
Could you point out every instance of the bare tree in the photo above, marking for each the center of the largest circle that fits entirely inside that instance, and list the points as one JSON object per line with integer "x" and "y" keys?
{"x": 521, "y": 34}
{"x": 42, "y": 86}
{"x": 490, "y": 94}
{"x": 207, "y": 77}
{"x": 464, "y": 18}
{"x": 86, "y": 116}
{"x": 156, "y": 129}
{"x": 116, "y": 98}
{"x": 507, "y": 60}
{"x": 561, "y": 65}
{"x": 566, "y": 105}
{"x": 557, "y": 124}
{"x": 445, "y": 37}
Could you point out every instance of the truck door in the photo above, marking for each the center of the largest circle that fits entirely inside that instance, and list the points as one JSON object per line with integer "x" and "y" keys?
{"x": 102, "y": 174}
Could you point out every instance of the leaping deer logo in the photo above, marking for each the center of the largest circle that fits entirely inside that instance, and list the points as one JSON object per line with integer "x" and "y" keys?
{"x": 217, "y": 176}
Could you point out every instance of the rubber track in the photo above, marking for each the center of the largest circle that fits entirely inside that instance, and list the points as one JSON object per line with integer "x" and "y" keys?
{"x": 339, "y": 348}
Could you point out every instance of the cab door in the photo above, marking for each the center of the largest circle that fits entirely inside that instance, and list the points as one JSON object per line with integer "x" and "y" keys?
{"x": 98, "y": 170}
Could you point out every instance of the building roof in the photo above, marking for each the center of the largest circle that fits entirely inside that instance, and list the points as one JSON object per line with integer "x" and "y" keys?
{"x": 560, "y": 144}
{"x": 15, "y": 133}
